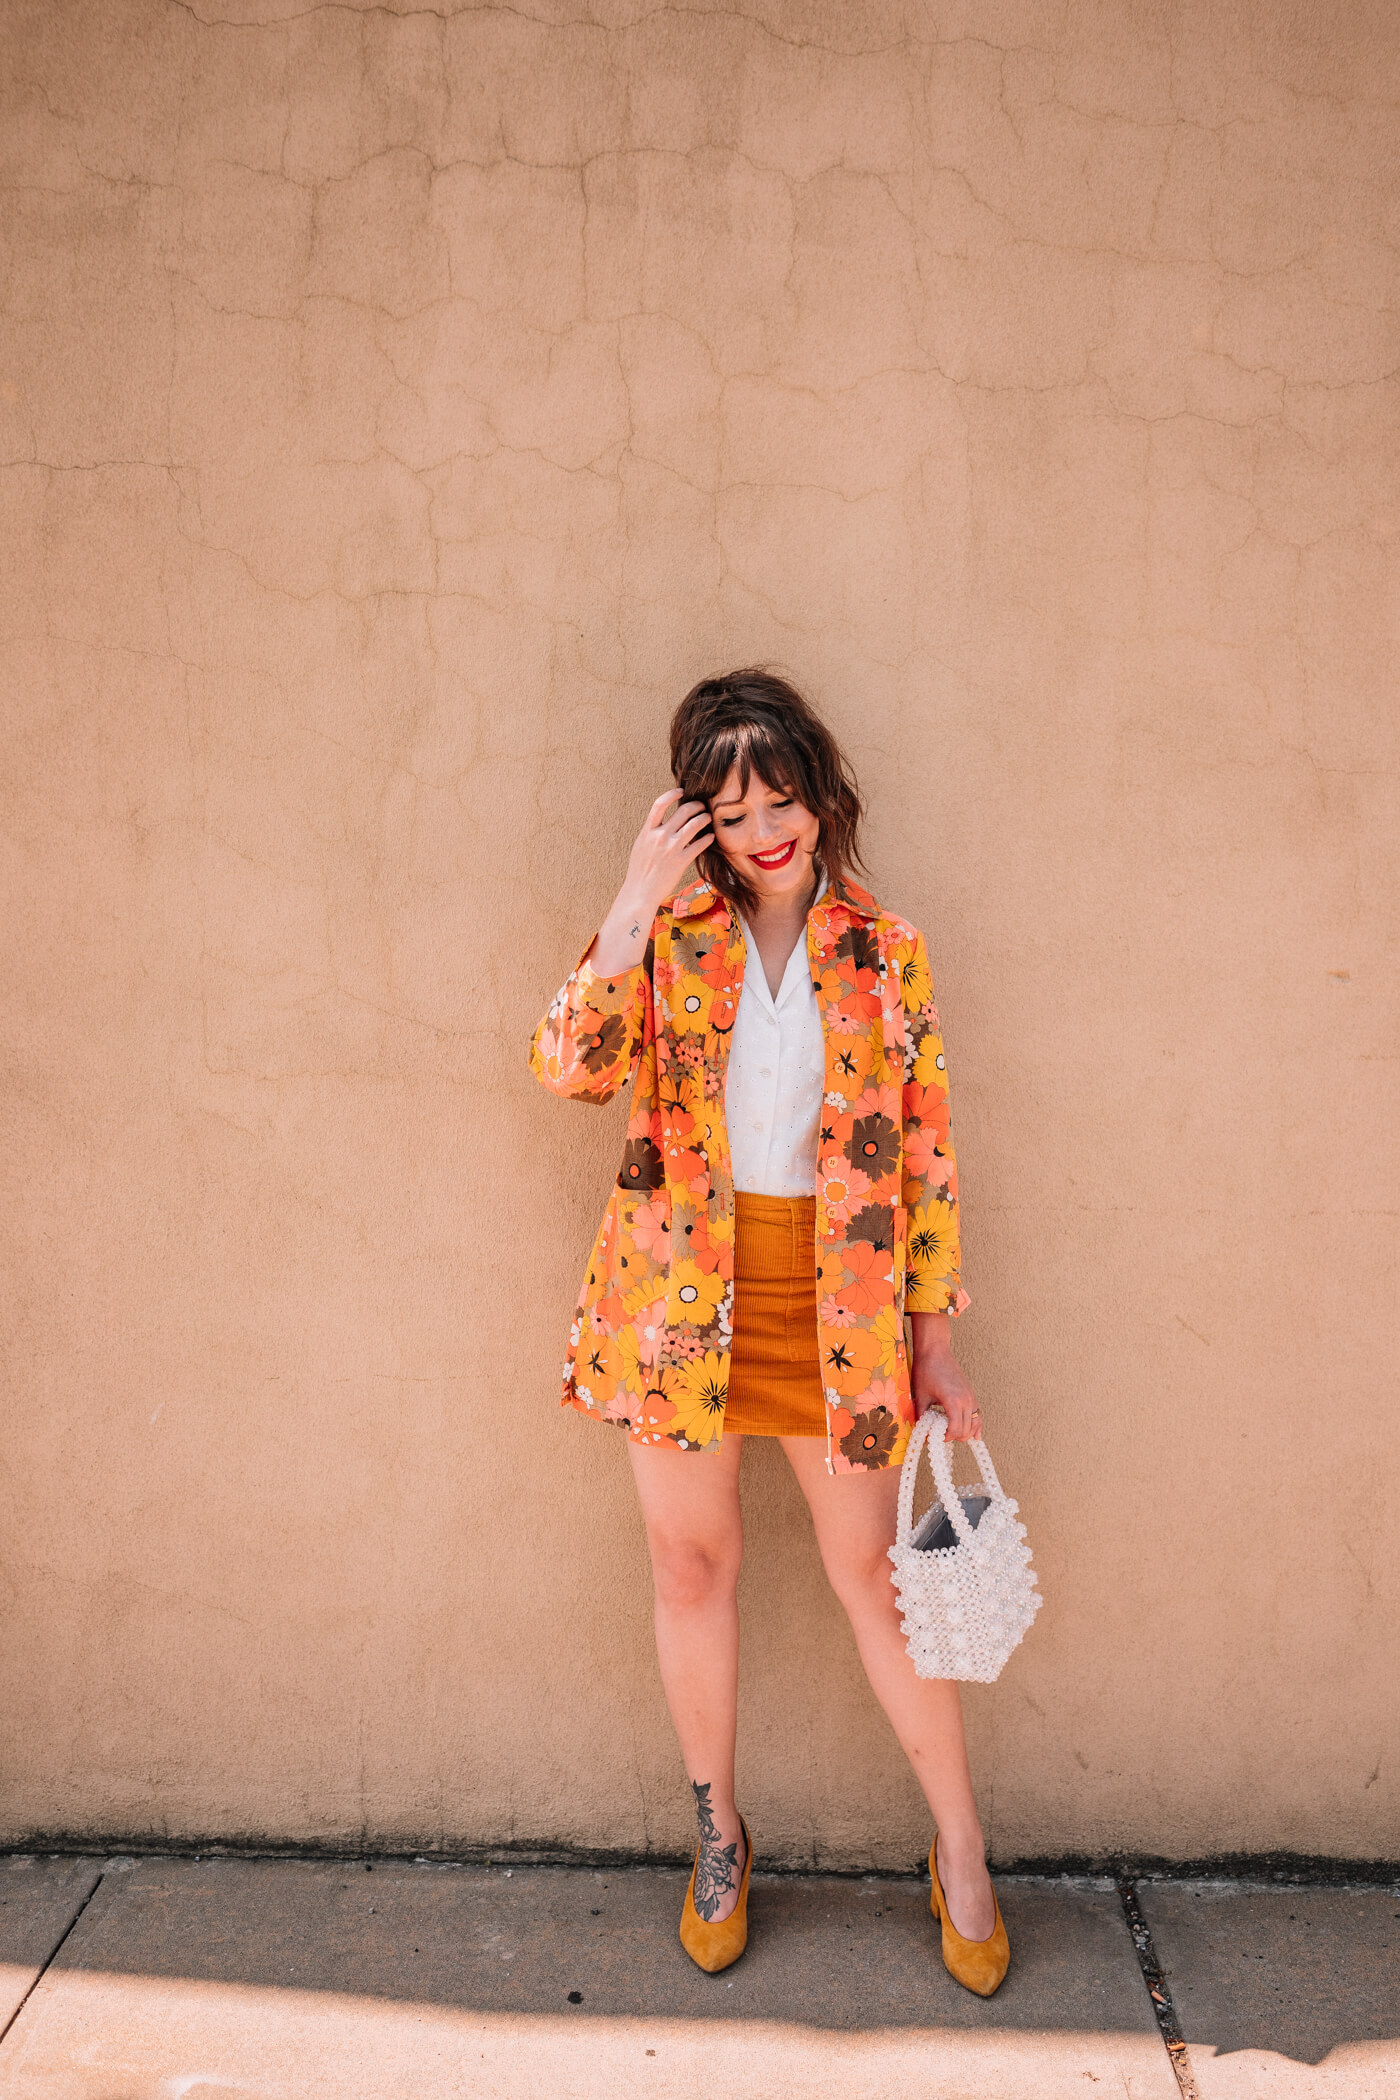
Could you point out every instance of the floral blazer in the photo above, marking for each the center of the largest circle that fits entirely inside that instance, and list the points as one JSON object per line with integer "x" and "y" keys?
{"x": 649, "y": 1346}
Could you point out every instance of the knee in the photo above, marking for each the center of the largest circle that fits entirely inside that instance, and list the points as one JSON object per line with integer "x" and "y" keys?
{"x": 860, "y": 1576}
{"x": 693, "y": 1572}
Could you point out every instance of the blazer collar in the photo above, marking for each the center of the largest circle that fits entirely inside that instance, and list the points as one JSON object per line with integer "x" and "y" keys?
{"x": 702, "y": 896}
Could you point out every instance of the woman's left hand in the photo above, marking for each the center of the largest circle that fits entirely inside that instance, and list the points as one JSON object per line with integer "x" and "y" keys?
{"x": 937, "y": 1379}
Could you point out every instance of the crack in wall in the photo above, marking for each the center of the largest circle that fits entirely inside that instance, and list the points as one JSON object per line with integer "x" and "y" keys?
{"x": 398, "y": 409}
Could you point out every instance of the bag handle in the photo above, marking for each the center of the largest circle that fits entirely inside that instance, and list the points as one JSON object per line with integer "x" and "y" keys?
{"x": 940, "y": 1459}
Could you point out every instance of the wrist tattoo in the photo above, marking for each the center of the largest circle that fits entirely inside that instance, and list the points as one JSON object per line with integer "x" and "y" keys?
{"x": 716, "y": 1869}
{"x": 636, "y": 929}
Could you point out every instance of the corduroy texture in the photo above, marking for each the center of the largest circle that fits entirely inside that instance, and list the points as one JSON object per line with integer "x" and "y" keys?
{"x": 775, "y": 1386}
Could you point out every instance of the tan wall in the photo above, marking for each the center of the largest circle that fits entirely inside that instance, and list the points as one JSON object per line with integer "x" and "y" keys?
{"x": 399, "y": 412}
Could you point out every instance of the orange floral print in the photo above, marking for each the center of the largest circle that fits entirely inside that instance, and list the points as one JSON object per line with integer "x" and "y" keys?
{"x": 649, "y": 1345}
{"x": 864, "y": 1274}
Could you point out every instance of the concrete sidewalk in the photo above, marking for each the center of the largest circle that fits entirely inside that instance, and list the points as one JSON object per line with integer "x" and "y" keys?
{"x": 180, "y": 1979}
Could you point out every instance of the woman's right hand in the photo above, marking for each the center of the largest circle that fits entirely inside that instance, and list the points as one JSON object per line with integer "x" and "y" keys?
{"x": 674, "y": 832}
{"x": 667, "y": 843}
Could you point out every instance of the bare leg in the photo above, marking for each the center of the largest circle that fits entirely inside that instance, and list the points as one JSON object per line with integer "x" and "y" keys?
{"x": 690, "y": 1505}
{"x": 854, "y": 1518}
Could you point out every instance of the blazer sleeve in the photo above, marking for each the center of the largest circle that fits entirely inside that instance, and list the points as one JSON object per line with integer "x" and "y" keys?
{"x": 933, "y": 1252}
{"x": 588, "y": 1043}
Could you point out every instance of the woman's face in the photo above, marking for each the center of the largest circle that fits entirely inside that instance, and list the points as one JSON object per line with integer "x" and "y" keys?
{"x": 766, "y": 834}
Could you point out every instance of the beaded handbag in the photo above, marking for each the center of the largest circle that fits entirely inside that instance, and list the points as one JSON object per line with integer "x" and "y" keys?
{"x": 964, "y": 1579}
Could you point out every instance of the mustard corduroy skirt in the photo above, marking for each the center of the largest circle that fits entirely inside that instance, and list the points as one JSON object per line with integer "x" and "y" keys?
{"x": 775, "y": 1385}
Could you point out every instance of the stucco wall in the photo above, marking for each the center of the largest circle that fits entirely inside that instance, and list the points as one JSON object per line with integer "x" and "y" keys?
{"x": 399, "y": 409}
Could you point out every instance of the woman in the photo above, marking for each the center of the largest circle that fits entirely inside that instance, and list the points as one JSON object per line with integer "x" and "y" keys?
{"x": 787, "y": 1192}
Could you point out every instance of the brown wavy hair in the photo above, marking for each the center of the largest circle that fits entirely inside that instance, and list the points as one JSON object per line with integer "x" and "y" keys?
{"x": 757, "y": 721}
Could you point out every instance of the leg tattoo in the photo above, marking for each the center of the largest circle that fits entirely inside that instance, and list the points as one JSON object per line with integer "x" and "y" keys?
{"x": 716, "y": 1869}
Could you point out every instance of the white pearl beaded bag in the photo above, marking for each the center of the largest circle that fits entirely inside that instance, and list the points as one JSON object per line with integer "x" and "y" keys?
{"x": 969, "y": 1602}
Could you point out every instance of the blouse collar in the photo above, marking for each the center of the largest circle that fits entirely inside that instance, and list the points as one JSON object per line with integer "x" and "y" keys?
{"x": 832, "y": 897}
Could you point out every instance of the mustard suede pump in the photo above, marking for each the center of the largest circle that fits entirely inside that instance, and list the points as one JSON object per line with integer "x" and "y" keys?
{"x": 979, "y": 1965}
{"x": 714, "y": 1947}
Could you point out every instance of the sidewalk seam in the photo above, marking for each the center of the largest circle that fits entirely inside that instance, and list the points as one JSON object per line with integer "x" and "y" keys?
{"x": 52, "y": 1955}
{"x": 1168, "y": 2025}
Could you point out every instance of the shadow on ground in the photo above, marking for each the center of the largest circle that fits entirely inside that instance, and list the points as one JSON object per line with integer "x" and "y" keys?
{"x": 823, "y": 1952}
{"x": 1299, "y": 1972}
{"x": 144, "y": 1979}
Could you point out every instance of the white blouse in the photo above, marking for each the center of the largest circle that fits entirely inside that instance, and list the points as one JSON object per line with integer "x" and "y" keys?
{"x": 776, "y": 1077}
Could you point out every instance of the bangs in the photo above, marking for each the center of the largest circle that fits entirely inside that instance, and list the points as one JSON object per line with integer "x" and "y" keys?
{"x": 754, "y": 747}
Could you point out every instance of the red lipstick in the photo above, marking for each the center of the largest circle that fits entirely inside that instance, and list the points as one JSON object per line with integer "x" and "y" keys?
{"x": 777, "y": 857}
